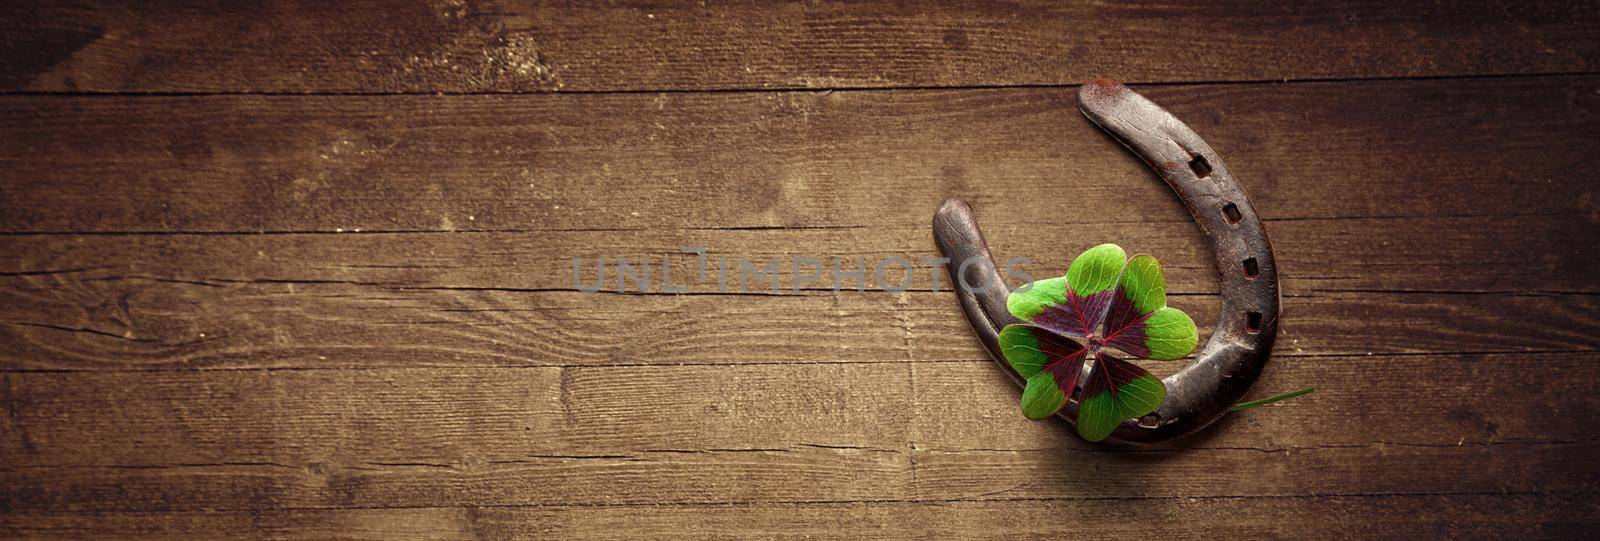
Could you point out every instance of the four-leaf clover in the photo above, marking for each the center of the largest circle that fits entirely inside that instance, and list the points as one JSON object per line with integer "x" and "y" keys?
{"x": 1105, "y": 302}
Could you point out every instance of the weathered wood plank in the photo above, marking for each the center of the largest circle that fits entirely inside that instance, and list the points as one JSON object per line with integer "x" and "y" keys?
{"x": 1519, "y": 254}
{"x": 455, "y": 417}
{"x": 1476, "y": 516}
{"x": 58, "y": 323}
{"x": 840, "y": 159}
{"x": 1517, "y": 516}
{"x": 795, "y": 433}
{"x": 523, "y": 45}
{"x": 815, "y": 475}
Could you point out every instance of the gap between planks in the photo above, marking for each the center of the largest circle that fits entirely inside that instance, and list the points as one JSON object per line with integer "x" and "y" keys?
{"x": 586, "y": 366}
{"x": 772, "y": 228}
{"x": 884, "y": 501}
{"x": 821, "y": 89}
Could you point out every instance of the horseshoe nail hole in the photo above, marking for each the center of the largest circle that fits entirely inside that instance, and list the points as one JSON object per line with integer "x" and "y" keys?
{"x": 1251, "y": 270}
{"x": 1231, "y": 211}
{"x": 1252, "y": 322}
{"x": 1201, "y": 168}
{"x": 1150, "y": 421}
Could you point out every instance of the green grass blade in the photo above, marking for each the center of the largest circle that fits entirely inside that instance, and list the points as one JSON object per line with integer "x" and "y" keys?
{"x": 1265, "y": 401}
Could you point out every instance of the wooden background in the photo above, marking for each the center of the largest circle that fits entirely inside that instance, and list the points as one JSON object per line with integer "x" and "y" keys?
{"x": 302, "y": 270}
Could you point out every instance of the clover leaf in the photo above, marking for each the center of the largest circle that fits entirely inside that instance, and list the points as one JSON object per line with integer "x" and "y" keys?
{"x": 1106, "y": 302}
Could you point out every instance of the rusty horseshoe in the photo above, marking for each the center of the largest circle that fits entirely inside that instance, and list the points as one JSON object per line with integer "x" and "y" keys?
{"x": 1242, "y": 339}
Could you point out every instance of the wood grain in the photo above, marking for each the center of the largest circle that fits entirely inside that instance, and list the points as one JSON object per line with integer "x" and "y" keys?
{"x": 1486, "y": 515}
{"x": 451, "y": 416}
{"x": 242, "y": 439}
{"x": 814, "y": 476}
{"x": 1494, "y": 254}
{"x": 155, "y": 325}
{"x": 752, "y": 160}
{"x": 527, "y": 46}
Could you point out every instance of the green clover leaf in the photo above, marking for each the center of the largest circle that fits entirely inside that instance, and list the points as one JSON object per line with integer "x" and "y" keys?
{"x": 1105, "y": 302}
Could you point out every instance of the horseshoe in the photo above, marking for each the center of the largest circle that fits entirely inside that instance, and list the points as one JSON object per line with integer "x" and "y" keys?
{"x": 1241, "y": 343}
